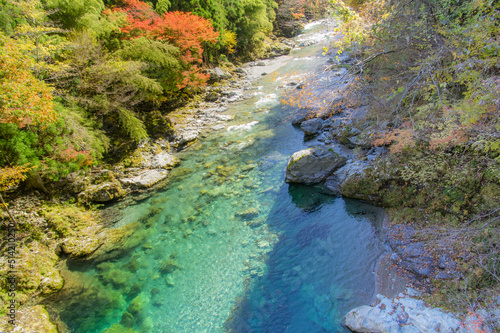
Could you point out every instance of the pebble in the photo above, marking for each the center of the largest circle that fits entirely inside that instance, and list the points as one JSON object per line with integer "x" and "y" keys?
{"x": 262, "y": 244}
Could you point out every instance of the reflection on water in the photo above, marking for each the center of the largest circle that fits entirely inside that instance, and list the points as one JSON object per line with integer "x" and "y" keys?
{"x": 228, "y": 246}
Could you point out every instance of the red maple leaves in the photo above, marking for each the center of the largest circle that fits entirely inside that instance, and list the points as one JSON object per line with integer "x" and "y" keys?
{"x": 186, "y": 31}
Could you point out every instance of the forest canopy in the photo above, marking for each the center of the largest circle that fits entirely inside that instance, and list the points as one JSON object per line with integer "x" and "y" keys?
{"x": 80, "y": 77}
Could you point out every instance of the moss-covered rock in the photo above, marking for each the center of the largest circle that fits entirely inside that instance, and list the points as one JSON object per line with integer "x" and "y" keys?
{"x": 30, "y": 319}
{"x": 77, "y": 227}
{"x": 169, "y": 265}
{"x": 115, "y": 242}
{"x": 117, "y": 277}
{"x": 127, "y": 320}
{"x": 137, "y": 305}
{"x": 36, "y": 273}
{"x": 102, "y": 192}
{"x": 313, "y": 165}
{"x": 360, "y": 186}
{"x": 117, "y": 328}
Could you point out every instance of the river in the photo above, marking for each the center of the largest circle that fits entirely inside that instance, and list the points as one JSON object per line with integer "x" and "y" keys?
{"x": 227, "y": 245}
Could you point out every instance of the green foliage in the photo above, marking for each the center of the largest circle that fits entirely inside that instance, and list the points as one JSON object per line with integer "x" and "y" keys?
{"x": 134, "y": 127}
{"x": 162, "y": 61}
{"x": 254, "y": 26}
{"x": 71, "y": 14}
{"x": 250, "y": 20}
{"x": 9, "y": 16}
{"x": 162, "y": 6}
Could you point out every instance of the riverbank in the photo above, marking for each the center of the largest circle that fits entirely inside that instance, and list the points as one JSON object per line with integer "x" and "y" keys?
{"x": 345, "y": 159}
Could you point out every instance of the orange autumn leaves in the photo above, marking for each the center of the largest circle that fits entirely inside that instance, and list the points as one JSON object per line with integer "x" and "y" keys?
{"x": 185, "y": 31}
{"x": 24, "y": 100}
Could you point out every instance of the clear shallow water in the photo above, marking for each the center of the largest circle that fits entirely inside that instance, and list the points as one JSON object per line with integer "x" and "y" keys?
{"x": 228, "y": 246}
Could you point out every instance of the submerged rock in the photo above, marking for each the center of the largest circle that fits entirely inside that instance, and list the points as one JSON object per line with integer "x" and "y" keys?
{"x": 249, "y": 213}
{"x": 165, "y": 161}
{"x": 313, "y": 165}
{"x": 117, "y": 328}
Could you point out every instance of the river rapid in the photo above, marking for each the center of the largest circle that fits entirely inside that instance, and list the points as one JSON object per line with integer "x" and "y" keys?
{"x": 227, "y": 245}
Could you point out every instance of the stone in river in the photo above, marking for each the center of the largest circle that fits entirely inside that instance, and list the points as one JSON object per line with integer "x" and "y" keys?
{"x": 146, "y": 178}
{"x": 313, "y": 165}
{"x": 312, "y": 126}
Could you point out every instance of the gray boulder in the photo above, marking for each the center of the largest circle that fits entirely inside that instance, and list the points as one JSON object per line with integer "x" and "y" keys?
{"x": 401, "y": 315}
{"x": 313, "y": 165}
{"x": 187, "y": 136}
{"x": 299, "y": 119}
{"x": 240, "y": 70}
{"x": 165, "y": 161}
{"x": 218, "y": 74}
{"x": 312, "y": 126}
{"x": 212, "y": 96}
{"x": 145, "y": 178}
{"x": 334, "y": 182}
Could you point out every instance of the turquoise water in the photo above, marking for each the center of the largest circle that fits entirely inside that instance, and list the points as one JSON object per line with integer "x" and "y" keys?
{"x": 227, "y": 245}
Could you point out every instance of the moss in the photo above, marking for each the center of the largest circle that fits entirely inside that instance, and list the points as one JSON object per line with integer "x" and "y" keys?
{"x": 36, "y": 273}
{"x": 137, "y": 305}
{"x": 117, "y": 328}
{"x": 361, "y": 187}
{"x": 77, "y": 226}
{"x": 490, "y": 195}
{"x": 127, "y": 319}
{"x": 117, "y": 277}
{"x": 30, "y": 319}
{"x": 116, "y": 242}
{"x": 69, "y": 219}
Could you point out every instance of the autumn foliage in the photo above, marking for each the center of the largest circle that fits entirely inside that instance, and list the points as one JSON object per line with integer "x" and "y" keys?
{"x": 186, "y": 31}
{"x": 24, "y": 100}
{"x": 12, "y": 176}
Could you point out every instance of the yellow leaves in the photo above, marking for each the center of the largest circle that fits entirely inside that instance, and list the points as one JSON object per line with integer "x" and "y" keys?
{"x": 24, "y": 100}
{"x": 227, "y": 39}
{"x": 12, "y": 176}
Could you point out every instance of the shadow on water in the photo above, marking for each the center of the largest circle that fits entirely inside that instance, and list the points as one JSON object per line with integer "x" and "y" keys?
{"x": 321, "y": 267}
